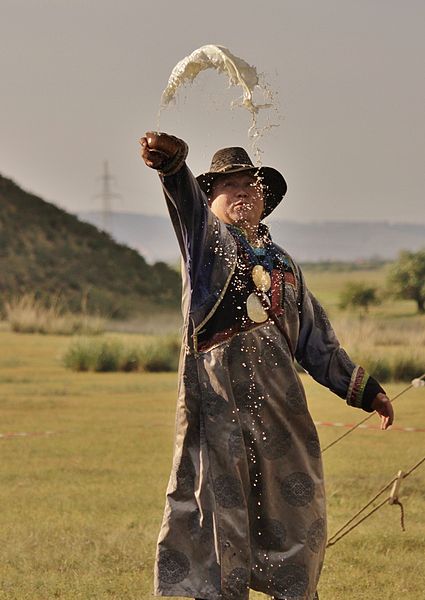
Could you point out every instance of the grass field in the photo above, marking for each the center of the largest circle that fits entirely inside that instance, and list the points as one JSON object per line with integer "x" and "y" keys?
{"x": 81, "y": 506}
{"x": 327, "y": 286}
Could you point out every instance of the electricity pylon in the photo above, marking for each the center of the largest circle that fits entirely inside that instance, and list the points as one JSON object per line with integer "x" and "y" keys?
{"x": 107, "y": 196}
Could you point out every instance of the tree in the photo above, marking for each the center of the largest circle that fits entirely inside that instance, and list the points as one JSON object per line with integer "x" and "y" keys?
{"x": 406, "y": 278}
{"x": 358, "y": 295}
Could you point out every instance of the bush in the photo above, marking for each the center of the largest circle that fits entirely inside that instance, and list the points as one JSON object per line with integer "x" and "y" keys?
{"x": 80, "y": 356}
{"x": 358, "y": 295}
{"x": 94, "y": 355}
{"x": 130, "y": 359}
{"x": 108, "y": 356}
{"x": 407, "y": 278}
{"x": 113, "y": 355}
{"x": 162, "y": 355}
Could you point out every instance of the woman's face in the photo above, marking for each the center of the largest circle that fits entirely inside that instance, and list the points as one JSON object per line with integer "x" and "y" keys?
{"x": 238, "y": 199}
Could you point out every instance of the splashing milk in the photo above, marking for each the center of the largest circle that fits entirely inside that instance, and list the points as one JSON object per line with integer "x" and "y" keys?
{"x": 239, "y": 72}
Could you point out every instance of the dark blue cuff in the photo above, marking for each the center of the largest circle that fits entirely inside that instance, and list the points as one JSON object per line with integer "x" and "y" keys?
{"x": 372, "y": 388}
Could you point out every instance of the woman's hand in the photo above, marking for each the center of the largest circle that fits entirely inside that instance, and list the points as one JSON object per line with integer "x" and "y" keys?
{"x": 382, "y": 405}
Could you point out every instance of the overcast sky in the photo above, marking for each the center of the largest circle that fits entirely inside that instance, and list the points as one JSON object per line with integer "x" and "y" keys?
{"x": 81, "y": 81}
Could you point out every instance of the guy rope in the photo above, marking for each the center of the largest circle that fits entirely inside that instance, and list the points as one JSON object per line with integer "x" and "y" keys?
{"x": 393, "y": 498}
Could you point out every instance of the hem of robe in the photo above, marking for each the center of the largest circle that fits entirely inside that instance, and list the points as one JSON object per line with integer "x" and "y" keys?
{"x": 185, "y": 593}
{"x": 218, "y": 596}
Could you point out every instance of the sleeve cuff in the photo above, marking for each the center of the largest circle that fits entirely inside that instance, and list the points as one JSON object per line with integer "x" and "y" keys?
{"x": 176, "y": 162}
{"x": 372, "y": 388}
{"x": 362, "y": 390}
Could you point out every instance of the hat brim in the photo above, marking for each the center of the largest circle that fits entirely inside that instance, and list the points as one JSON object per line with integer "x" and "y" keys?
{"x": 274, "y": 184}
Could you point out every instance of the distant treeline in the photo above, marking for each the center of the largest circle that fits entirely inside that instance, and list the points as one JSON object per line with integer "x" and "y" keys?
{"x": 338, "y": 266}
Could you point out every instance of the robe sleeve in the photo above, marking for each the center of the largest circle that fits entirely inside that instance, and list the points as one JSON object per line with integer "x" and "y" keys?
{"x": 320, "y": 354}
{"x": 207, "y": 248}
{"x": 188, "y": 209}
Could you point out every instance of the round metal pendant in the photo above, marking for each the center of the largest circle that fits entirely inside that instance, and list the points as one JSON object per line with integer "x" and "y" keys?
{"x": 255, "y": 309}
{"x": 261, "y": 278}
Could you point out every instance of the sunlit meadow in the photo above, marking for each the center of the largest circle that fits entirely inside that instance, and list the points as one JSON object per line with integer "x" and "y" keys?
{"x": 82, "y": 494}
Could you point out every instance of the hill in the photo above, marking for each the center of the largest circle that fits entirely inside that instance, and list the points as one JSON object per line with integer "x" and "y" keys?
{"x": 306, "y": 242}
{"x": 50, "y": 252}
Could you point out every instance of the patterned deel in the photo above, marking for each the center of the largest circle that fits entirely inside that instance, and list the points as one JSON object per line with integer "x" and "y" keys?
{"x": 245, "y": 505}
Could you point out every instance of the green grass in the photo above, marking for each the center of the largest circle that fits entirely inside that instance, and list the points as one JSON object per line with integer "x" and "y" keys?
{"x": 81, "y": 508}
{"x": 327, "y": 286}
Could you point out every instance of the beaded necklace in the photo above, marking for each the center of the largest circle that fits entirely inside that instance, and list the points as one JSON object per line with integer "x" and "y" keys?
{"x": 262, "y": 260}
{"x": 266, "y": 255}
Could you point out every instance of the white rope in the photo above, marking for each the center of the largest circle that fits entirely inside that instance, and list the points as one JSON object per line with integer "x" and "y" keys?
{"x": 343, "y": 531}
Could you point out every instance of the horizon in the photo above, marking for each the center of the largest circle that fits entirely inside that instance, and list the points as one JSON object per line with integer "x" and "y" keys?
{"x": 307, "y": 241}
{"x": 271, "y": 219}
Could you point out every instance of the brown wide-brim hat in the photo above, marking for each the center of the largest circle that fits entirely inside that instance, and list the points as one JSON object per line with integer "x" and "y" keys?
{"x": 236, "y": 160}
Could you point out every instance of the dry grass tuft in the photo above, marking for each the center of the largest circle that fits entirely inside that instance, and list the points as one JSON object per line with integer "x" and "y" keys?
{"x": 28, "y": 314}
{"x": 391, "y": 350}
